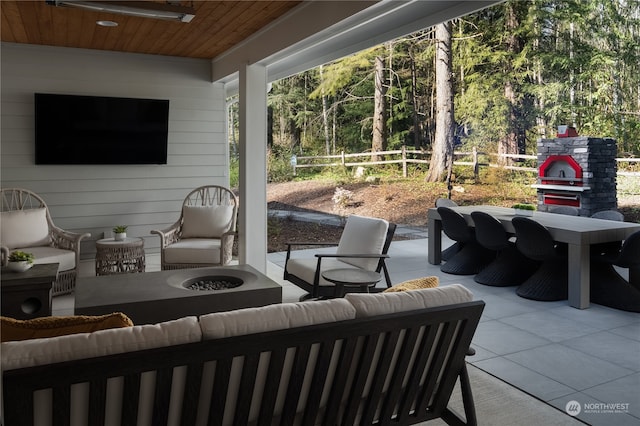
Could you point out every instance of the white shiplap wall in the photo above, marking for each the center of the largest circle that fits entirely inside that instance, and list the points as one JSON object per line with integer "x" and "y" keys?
{"x": 95, "y": 198}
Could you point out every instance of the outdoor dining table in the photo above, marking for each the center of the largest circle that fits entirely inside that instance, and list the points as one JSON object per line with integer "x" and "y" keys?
{"x": 577, "y": 231}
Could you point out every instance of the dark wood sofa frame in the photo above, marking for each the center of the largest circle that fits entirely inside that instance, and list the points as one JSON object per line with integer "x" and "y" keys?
{"x": 391, "y": 369}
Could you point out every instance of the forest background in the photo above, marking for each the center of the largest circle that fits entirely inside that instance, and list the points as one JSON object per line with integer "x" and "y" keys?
{"x": 497, "y": 80}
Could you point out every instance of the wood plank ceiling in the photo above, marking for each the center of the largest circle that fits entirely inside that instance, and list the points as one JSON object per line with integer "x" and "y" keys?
{"x": 216, "y": 27}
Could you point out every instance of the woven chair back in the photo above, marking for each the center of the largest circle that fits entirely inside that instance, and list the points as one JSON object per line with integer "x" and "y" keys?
{"x": 533, "y": 239}
{"x": 454, "y": 225}
{"x": 489, "y": 231}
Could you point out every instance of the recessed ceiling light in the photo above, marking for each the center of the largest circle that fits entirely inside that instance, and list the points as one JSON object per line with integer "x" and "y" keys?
{"x": 107, "y": 23}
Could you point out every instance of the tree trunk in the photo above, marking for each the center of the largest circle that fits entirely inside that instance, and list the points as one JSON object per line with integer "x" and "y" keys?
{"x": 442, "y": 148}
{"x": 379, "y": 111}
{"x": 509, "y": 143}
{"x": 325, "y": 118}
{"x": 417, "y": 133}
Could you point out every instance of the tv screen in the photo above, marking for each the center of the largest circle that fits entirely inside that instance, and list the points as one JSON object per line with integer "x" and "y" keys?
{"x": 73, "y": 129}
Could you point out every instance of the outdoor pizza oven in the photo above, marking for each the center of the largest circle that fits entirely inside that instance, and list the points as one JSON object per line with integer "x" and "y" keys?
{"x": 578, "y": 172}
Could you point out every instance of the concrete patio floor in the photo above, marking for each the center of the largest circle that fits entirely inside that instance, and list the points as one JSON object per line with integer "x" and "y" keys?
{"x": 550, "y": 350}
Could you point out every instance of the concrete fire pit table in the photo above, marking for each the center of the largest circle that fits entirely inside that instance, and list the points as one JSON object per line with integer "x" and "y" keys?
{"x": 162, "y": 296}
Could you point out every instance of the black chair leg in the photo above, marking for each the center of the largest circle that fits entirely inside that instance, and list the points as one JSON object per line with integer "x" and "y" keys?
{"x": 467, "y": 397}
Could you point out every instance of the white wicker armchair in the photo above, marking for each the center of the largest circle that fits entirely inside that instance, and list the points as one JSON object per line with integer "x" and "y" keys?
{"x": 27, "y": 225}
{"x": 204, "y": 233}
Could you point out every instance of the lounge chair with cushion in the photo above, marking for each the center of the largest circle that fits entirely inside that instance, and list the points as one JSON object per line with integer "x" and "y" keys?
{"x": 363, "y": 244}
{"x": 27, "y": 226}
{"x": 203, "y": 235}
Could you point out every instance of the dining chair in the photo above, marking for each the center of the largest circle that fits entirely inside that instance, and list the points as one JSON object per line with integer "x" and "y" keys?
{"x": 608, "y": 288}
{"x": 551, "y": 280}
{"x": 510, "y": 267}
{"x": 448, "y": 252}
{"x": 609, "y": 215}
{"x": 610, "y": 247}
{"x": 472, "y": 257}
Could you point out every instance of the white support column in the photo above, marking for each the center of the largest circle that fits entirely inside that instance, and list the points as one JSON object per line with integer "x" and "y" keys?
{"x": 252, "y": 219}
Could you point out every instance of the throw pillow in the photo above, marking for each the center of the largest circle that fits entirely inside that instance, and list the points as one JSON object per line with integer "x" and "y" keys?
{"x": 425, "y": 282}
{"x": 12, "y": 329}
{"x": 206, "y": 222}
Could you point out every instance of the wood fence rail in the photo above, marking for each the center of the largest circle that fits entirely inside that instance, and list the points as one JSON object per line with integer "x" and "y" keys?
{"x": 474, "y": 159}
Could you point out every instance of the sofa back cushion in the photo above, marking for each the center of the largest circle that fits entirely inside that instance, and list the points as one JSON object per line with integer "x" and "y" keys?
{"x": 13, "y": 330}
{"x": 363, "y": 235}
{"x": 33, "y": 352}
{"x": 368, "y": 305}
{"x": 24, "y": 228}
{"x": 206, "y": 221}
{"x": 274, "y": 317}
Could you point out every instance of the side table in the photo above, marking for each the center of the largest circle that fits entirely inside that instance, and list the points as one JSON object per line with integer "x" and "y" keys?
{"x": 26, "y": 295}
{"x": 119, "y": 257}
{"x": 350, "y": 277}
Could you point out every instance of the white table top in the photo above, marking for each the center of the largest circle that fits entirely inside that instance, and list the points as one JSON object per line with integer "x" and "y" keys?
{"x": 111, "y": 242}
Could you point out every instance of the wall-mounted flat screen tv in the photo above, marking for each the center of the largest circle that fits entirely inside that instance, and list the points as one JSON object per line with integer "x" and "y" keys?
{"x": 73, "y": 129}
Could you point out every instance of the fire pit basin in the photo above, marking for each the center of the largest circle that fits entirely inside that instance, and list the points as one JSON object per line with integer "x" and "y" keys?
{"x": 212, "y": 283}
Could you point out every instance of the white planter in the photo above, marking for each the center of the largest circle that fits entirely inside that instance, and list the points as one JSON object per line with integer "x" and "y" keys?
{"x": 19, "y": 266}
{"x": 121, "y": 236}
{"x": 523, "y": 212}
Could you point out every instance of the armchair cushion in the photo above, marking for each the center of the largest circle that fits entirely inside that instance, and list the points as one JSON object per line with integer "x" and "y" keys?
{"x": 306, "y": 268}
{"x": 206, "y": 222}
{"x": 24, "y": 228}
{"x": 363, "y": 235}
{"x": 12, "y": 329}
{"x": 65, "y": 258}
{"x": 386, "y": 303}
{"x": 193, "y": 250}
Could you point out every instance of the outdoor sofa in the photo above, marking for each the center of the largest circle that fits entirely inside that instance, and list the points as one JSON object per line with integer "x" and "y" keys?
{"x": 356, "y": 360}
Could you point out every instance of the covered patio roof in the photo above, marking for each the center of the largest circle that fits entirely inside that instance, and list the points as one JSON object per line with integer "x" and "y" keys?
{"x": 287, "y": 37}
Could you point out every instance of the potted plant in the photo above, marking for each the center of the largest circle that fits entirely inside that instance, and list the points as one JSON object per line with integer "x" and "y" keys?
{"x": 120, "y": 232}
{"x": 20, "y": 261}
{"x": 524, "y": 209}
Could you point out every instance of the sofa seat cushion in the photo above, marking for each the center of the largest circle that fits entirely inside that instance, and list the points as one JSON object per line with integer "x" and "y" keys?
{"x": 368, "y": 305}
{"x": 193, "y": 250}
{"x": 13, "y": 330}
{"x": 45, "y": 254}
{"x": 24, "y": 228}
{"x": 33, "y": 352}
{"x": 417, "y": 284}
{"x": 306, "y": 268}
{"x": 274, "y": 317}
{"x": 206, "y": 221}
